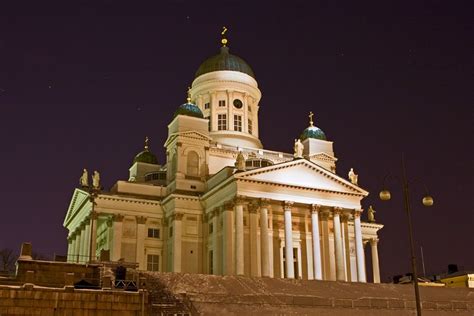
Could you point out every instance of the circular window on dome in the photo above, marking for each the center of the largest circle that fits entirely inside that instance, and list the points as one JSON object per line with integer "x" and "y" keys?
{"x": 238, "y": 104}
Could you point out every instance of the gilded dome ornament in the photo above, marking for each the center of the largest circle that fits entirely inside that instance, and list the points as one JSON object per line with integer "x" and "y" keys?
{"x": 312, "y": 131}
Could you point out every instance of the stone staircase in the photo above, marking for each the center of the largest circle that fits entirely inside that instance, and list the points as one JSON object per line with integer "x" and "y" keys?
{"x": 161, "y": 301}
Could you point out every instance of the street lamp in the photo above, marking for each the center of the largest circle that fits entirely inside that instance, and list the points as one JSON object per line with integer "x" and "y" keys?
{"x": 427, "y": 201}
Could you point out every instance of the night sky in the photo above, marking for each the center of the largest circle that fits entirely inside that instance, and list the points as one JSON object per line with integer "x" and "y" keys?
{"x": 81, "y": 86}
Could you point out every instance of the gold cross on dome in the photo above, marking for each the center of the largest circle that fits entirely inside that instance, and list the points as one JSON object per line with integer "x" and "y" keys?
{"x": 146, "y": 142}
{"x": 189, "y": 95}
{"x": 224, "y": 39}
{"x": 310, "y": 118}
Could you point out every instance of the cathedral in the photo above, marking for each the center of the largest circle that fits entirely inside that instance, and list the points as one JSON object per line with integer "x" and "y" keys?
{"x": 221, "y": 203}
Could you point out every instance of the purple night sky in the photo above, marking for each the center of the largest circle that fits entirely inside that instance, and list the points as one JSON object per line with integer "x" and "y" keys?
{"x": 81, "y": 86}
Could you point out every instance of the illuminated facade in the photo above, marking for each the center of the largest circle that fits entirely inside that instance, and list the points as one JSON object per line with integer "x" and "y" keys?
{"x": 221, "y": 204}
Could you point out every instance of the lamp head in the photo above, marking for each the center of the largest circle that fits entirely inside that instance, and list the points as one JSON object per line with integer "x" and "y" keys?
{"x": 428, "y": 201}
{"x": 385, "y": 195}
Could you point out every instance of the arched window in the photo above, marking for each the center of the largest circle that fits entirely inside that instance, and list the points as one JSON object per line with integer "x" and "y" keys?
{"x": 192, "y": 164}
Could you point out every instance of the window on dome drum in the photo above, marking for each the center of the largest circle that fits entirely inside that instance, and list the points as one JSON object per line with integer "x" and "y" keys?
{"x": 207, "y": 105}
{"x": 192, "y": 164}
{"x": 238, "y": 123}
{"x": 221, "y": 122}
{"x": 221, "y": 103}
{"x": 250, "y": 126}
{"x": 238, "y": 104}
{"x": 249, "y": 108}
{"x": 153, "y": 233}
{"x": 153, "y": 263}
{"x": 211, "y": 228}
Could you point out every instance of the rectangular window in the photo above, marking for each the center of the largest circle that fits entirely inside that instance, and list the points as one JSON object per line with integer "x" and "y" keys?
{"x": 211, "y": 228}
{"x": 250, "y": 126}
{"x": 207, "y": 105}
{"x": 171, "y": 231}
{"x": 153, "y": 263}
{"x": 249, "y": 108}
{"x": 221, "y": 103}
{"x": 153, "y": 233}
{"x": 238, "y": 123}
{"x": 221, "y": 122}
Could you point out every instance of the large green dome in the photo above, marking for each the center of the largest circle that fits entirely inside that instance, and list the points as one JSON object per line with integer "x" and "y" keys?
{"x": 224, "y": 61}
{"x": 146, "y": 155}
{"x": 188, "y": 109}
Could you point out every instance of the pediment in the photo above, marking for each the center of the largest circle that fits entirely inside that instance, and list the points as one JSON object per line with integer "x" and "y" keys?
{"x": 79, "y": 197}
{"x": 323, "y": 156}
{"x": 188, "y": 134}
{"x": 302, "y": 173}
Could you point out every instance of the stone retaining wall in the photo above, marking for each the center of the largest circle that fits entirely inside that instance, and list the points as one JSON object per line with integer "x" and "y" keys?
{"x": 33, "y": 300}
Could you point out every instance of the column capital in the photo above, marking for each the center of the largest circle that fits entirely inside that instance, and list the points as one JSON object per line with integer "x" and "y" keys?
{"x": 177, "y": 216}
{"x": 357, "y": 212}
{"x": 373, "y": 241}
{"x": 345, "y": 217}
{"x": 324, "y": 215}
{"x": 94, "y": 215}
{"x": 315, "y": 208}
{"x": 229, "y": 205}
{"x": 117, "y": 217}
{"x": 239, "y": 200}
{"x": 141, "y": 220}
{"x": 264, "y": 203}
{"x": 287, "y": 205}
{"x": 253, "y": 208}
{"x": 337, "y": 210}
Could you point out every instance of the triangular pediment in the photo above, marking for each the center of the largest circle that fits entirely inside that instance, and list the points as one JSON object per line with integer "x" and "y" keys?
{"x": 188, "y": 134}
{"x": 302, "y": 173}
{"x": 323, "y": 156}
{"x": 79, "y": 197}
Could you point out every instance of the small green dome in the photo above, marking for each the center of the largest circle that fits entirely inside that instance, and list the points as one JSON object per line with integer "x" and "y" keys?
{"x": 313, "y": 132}
{"x": 146, "y": 155}
{"x": 188, "y": 109}
{"x": 224, "y": 61}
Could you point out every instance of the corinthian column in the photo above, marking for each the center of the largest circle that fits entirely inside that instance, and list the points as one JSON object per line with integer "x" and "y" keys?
{"x": 290, "y": 272}
{"x": 93, "y": 244}
{"x": 264, "y": 238}
{"x": 318, "y": 271}
{"x": 340, "y": 275}
{"x": 228, "y": 239}
{"x": 117, "y": 243}
{"x": 239, "y": 237}
{"x": 375, "y": 260}
{"x": 359, "y": 247}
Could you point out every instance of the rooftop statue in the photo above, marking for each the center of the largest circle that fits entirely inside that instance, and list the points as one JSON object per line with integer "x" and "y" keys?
{"x": 96, "y": 180}
{"x": 371, "y": 214}
{"x": 240, "y": 162}
{"x": 353, "y": 176}
{"x": 298, "y": 148}
{"x": 83, "y": 180}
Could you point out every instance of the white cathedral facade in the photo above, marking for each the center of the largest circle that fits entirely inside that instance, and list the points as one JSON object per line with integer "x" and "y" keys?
{"x": 221, "y": 203}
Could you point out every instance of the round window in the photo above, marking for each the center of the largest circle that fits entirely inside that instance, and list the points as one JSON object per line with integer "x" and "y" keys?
{"x": 238, "y": 104}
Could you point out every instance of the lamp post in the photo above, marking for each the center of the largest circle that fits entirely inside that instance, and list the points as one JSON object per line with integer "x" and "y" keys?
{"x": 427, "y": 201}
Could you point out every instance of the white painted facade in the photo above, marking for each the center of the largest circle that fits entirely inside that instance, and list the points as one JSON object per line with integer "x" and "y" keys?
{"x": 197, "y": 214}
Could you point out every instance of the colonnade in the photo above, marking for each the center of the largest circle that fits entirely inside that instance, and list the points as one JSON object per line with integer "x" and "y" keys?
{"x": 84, "y": 238}
{"x": 233, "y": 254}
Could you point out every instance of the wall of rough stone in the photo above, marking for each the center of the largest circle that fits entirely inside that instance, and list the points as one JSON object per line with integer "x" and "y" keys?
{"x": 33, "y": 300}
